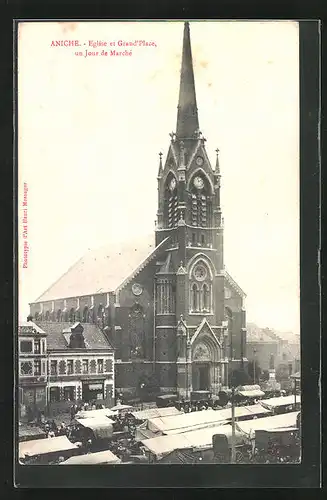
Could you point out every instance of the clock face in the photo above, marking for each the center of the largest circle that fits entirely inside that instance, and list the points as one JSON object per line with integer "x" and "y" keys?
{"x": 137, "y": 289}
{"x": 200, "y": 273}
{"x": 198, "y": 182}
{"x": 199, "y": 160}
{"x": 172, "y": 184}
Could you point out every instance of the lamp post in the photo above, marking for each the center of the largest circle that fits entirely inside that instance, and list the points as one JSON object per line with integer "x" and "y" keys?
{"x": 233, "y": 454}
{"x": 254, "y": 362}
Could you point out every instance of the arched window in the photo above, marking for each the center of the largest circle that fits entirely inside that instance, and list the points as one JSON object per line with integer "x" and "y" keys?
{"x": 201, "y": 286}
{"x": 170, "y": 202}
{"x": 59, "y": 315}
{"x": 200, "y": 202}
{"x": 72, "y": 315}
{"x": 47, "y": 316}
{"x": 86, "y": 315}
{"x": 195, "y": 298}
{"x": 136, "y": 331}
{"x": 229, "y": 318}
{"x": 101, "y": 315}
{"x": 205, "y": 298}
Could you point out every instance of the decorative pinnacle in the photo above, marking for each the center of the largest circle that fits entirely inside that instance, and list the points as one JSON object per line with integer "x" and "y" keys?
{"x": 217, "y": 169}
{"x": 182, "y": 156}
{"x": 160, "y": 171}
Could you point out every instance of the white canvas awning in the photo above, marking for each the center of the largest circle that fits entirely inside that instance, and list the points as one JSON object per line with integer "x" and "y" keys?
{"x": 280, "y": 401}
{"x": 156, "y": 413}
{"x": 44, "y": 446}
{"x": 101, "y": 427}
{"x": 103, "y": 412}
{"x": 199, "y": 439}
{"x": 102, "y": 457}
{"x": 267, "y": 423}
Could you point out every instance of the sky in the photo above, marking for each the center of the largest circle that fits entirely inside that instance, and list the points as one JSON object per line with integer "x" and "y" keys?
{"x": 90, "y": 130}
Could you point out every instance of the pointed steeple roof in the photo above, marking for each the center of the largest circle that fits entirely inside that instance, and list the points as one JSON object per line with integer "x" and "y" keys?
{"x": 187, "y": 115}
{"x": 217, "y": 168}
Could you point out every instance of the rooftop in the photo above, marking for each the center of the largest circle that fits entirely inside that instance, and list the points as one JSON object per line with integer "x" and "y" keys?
{"x": 58, "y": 336}
{"x": 102, "y": 270}
{"x": 268, "y": 335}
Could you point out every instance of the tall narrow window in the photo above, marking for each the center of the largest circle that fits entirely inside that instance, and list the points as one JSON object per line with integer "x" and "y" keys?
{"x": 86, "y": 315}
{"x": 72, "y": 315}
{"x": 100, "y": 365}
{"x": 136, "y": 331}
{"x": 37, "y": 367}
{"x": 59, "y": 315}
{"x": 85, "y": 365}
{"x": 195, "y": 298}
{"x": 101, "y": 315}
{"x": 53, "y": 367}
{"x": 205, "y": 298}
{"x": 37, "y": 346}
{"x": 171, "y": 202}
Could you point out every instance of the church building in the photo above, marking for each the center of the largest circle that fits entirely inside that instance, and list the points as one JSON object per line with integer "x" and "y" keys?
{"x": 172, "y": 312}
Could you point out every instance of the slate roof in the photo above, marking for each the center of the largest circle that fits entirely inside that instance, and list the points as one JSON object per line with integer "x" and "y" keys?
{"x": 257, "y": 334}
{"x": 101, "y": 270}
{"x": 24, "y": 326}
{"x": 267, "y": 335}
{"x": 93, "y": 336}
{"x": 108, "y": 268}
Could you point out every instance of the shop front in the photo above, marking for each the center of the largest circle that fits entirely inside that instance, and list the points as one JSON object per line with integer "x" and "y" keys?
{"x": 32, "y": 401}
{"x": 93, "y": 390}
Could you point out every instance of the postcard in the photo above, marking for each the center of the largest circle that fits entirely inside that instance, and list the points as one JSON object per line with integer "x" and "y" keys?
{"x": 159, "y": 248}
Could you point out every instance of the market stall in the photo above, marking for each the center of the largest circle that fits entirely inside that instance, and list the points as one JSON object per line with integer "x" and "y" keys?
{"x": 282, "y": 404}
{"x": 248, "y": 427}
{"x": 202, "y": 439}
{"x": 46, "y": 450}
{"x": 99, "y": 458}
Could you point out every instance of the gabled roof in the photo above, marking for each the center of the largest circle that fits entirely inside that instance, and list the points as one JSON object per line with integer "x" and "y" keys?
{"x": 57, "y": 339}
{"x": 233, "y": 284}
{"x": 102, "y": 270}
{"x": 199, "y": 329}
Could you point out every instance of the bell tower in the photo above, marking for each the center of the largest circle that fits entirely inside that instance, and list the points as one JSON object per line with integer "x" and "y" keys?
{"x": 189, "y": 213}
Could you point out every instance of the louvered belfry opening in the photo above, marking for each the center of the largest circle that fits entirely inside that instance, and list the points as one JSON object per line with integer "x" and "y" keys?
{"x": 200, "y": 201}
{"x": 170, "y": 204}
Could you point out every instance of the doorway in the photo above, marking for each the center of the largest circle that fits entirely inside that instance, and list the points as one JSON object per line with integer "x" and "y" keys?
{"x": 201, "y": 376}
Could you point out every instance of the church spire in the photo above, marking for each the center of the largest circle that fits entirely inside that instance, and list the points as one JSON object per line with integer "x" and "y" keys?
{"x": 187, "y": 115}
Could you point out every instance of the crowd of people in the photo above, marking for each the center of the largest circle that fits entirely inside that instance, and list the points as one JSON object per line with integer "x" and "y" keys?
{"x": 123, "y": 443}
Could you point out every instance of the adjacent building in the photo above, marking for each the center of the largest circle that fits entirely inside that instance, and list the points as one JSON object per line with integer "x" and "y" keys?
{"x": 60, "y": 363}
{"x": 32, "y": 369}
{"x": 276, "y": 352}
{"x": 170, "y": 309}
